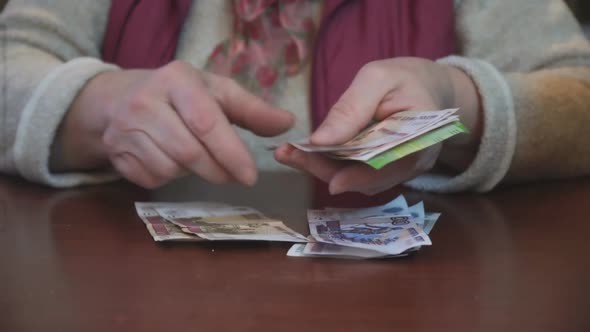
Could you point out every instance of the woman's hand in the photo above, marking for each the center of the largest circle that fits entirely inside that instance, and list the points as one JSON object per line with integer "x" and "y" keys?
{"x": 156, "y": 125}
{"x": 380, "y": 89}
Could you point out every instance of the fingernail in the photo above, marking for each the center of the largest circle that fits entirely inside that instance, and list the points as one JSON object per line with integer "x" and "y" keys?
{"x": 248, "y": 176}
{"x": 297, "y": 157}
{"x": 319, "y": 136}
{"x": 325, "y": 135}
{"x": 288, "y": 149}
{"x": 283, "y": 152}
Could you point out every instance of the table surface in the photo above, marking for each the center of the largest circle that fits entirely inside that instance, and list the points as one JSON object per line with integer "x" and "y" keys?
{"x": 81, "y": 260}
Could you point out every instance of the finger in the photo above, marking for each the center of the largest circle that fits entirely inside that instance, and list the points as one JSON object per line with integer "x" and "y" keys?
{"x": 404, "y": 99}
{"x": 170, "y": 134}
{"x": 321, "y": 167}
{"x": 205, "y": 119}
{"x": 247, "y": 110}
{"x": 356, "y": 107}
{"x": 133, "y": 170}
{"x": 363, "y": 178}
{"x": 140, "y": 145}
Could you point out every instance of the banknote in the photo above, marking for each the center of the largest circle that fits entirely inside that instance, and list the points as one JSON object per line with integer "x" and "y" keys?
{"x": 379, "y": 160}
{"x": 390, "y": 235}
{"x": 318, "y": 249}
{"x": 393, "y": 130}
{"x": 229, "y": 223}
{"x": 343, "y": 249}
{"x": 161, "y": 229}
{"x": 395, "y": 137}
{"x": 429, "y": 221}
{"x": 396, "y": 207}
{"x": 390, "y": 230}
{"x": 368, "y": 153}
{"x": 367, "y": 238}
{"x": 417, "y": 213}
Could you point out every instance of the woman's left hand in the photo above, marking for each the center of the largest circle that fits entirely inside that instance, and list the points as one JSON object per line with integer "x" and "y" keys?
{"x": 380, "y": 89}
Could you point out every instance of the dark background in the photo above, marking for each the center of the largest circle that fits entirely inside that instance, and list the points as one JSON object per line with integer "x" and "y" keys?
{"x": 581, "y": 8}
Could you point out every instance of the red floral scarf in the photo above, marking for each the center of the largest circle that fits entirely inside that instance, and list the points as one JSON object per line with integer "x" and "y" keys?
{"x": 271, "y": 40}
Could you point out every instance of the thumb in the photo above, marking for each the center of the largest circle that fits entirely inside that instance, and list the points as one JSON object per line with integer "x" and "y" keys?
{"x": 247, "y": 110}
{"x": 355, "y": 108}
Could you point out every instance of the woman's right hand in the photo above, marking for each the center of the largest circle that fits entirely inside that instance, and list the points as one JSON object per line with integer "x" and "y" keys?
{"x": 156, "y": 125}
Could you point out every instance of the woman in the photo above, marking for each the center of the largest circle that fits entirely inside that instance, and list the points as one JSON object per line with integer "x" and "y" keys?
{"x": 518, "y": 70}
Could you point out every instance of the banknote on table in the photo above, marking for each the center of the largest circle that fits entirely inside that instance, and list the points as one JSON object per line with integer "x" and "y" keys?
{"x": 395, "y": 137}
{"x": 390, "y": 236}
{"x": 390, "y": 230}
{"x": 319, "y": 249}
{"x": 160, "y": 228}
{"x": 201, "y": 221}
{"x": 229, "y": 223}
{"x": 396, "y": 207}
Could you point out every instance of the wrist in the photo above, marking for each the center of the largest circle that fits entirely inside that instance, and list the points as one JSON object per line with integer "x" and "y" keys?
{"x": 78, "y": 142}
{"x": 467, "y": 99}
{"x": 459, "y": 151}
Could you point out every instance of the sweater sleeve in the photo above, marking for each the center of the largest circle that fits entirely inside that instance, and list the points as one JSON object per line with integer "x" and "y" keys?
{"x": 49, "y": 49}
{"x": 530, "y": 63}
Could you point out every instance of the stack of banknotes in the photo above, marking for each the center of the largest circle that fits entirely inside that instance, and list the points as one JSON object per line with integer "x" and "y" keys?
{"x": 391, "y": 230}
{"x": 395, "y": 137}
{"x": 198, "y": 221}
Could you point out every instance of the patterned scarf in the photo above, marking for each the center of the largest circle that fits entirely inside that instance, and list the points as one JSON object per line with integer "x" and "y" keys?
{"x": 271, "y": 40}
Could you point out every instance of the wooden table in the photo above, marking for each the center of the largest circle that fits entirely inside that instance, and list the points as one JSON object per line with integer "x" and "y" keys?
{"x": 80, "y": 260}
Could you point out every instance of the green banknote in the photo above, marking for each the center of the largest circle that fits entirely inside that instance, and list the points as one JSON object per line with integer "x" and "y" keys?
{"x": 419, "y": 143}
